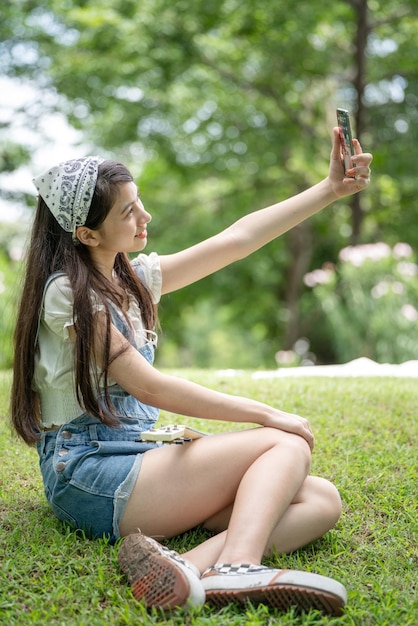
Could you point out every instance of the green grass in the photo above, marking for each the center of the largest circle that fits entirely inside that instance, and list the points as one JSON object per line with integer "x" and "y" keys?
{"x": 366, "y": 442}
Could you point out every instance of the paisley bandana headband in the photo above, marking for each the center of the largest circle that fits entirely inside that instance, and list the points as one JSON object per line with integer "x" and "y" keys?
{"x": 67, "y": 190}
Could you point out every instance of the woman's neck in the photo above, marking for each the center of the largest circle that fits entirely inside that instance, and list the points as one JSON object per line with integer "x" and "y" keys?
{"x": 105, "y": 264}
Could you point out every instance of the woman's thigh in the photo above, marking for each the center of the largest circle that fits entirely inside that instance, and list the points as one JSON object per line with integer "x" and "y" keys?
{"x": 179, "y": 487}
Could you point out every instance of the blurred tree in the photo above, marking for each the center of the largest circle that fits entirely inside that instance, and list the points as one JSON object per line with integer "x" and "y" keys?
{"x": 220, "y": 107}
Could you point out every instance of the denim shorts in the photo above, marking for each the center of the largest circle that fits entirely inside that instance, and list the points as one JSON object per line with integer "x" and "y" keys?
{"x": 89, "y": 471}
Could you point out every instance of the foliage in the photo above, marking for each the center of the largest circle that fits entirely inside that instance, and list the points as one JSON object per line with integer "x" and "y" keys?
{"x": 370, "y": 302}
{"x": 12, "y": 242}
{"x": 219, "y": 107}
{"x": 8, "y": 303}
{"x": 365, "y": 443}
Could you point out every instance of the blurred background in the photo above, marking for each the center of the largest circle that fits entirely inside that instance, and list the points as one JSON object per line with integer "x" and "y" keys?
{"x": 220, "y": 107}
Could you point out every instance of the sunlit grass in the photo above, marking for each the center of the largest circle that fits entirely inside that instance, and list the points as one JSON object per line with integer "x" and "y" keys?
{"x": 366, "y": 441}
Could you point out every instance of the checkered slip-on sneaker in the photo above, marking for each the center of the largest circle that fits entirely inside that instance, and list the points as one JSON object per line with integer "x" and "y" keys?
{"x": 159, "y": 577}
{"x": 276, "y": 588}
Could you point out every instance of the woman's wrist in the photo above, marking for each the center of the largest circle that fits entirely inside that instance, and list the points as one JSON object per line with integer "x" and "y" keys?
{"x": 330, "y": 193}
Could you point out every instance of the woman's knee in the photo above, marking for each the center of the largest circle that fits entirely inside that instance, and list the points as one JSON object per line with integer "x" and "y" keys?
{"x": 329, "y": 499}
{"x": 295, "y": 443}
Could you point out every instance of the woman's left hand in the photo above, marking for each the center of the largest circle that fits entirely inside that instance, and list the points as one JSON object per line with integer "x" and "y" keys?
{"x": 290, "y": 423}
{"x": 357, "y": 177}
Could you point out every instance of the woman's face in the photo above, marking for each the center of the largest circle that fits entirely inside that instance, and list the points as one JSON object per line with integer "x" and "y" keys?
{"x": 125, "y": 226}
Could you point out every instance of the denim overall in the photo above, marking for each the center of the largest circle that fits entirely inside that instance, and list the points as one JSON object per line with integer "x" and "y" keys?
{"x": 89, "y": 469}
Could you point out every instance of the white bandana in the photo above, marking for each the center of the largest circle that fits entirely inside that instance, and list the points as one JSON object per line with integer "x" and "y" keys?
{"x": 67, "y": 190}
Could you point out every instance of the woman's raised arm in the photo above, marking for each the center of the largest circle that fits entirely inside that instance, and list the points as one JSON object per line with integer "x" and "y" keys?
{"x": 254, "y": 230}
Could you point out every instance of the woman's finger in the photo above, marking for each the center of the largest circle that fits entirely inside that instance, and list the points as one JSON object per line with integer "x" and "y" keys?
{"x": 357, "y": 146}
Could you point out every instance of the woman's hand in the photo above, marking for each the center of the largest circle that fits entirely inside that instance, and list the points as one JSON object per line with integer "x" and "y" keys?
{"x": 356, "y": 178}
{"x": 290, "y": 423}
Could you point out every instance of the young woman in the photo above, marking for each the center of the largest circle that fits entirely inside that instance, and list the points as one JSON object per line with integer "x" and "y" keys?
{"x": 85, "y": 389}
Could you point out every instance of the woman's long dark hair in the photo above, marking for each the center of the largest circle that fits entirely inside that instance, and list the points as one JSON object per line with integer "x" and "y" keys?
{"x": 51, "y": 250}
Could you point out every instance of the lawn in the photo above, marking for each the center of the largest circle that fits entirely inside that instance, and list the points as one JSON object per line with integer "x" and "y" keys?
{"x": 366, "y": 443}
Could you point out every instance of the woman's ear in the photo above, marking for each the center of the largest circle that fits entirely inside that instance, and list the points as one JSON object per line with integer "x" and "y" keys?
{"x": 87, "y": 236}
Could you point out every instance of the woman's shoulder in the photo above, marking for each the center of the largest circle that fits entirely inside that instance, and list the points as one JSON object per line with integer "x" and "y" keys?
{"x": 146, "y": 261}
{"x": 58, "y": 285}
{"x": 58, "y": 293}
{"x": 148, "y": 268}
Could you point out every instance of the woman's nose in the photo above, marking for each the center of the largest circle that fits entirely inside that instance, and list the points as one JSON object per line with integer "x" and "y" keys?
{"x": 148, "y": 216}
{"x": 143, "y": 215}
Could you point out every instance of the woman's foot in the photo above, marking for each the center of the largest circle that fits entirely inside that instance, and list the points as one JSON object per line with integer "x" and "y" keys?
{"x": 277, "y": 588}
{"x": 159, "y": 577}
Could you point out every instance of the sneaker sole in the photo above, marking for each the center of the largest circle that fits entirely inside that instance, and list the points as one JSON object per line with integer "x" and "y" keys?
{"x": 160, "y": 584}
{"x": 282, "y": 597}
{"x": 155, "y": 580}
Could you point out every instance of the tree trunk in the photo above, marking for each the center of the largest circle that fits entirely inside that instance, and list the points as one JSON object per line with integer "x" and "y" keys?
{"x": 300, "y": 243}
{"x": 362, "y": 34}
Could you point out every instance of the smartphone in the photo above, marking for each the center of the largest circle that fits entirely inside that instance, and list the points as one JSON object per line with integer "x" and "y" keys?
{"x": 346, "y": 136}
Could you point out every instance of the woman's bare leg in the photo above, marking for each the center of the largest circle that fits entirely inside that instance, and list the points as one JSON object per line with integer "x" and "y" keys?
{"x": 247, "y": 479}
{"x": 314, "y": 511}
